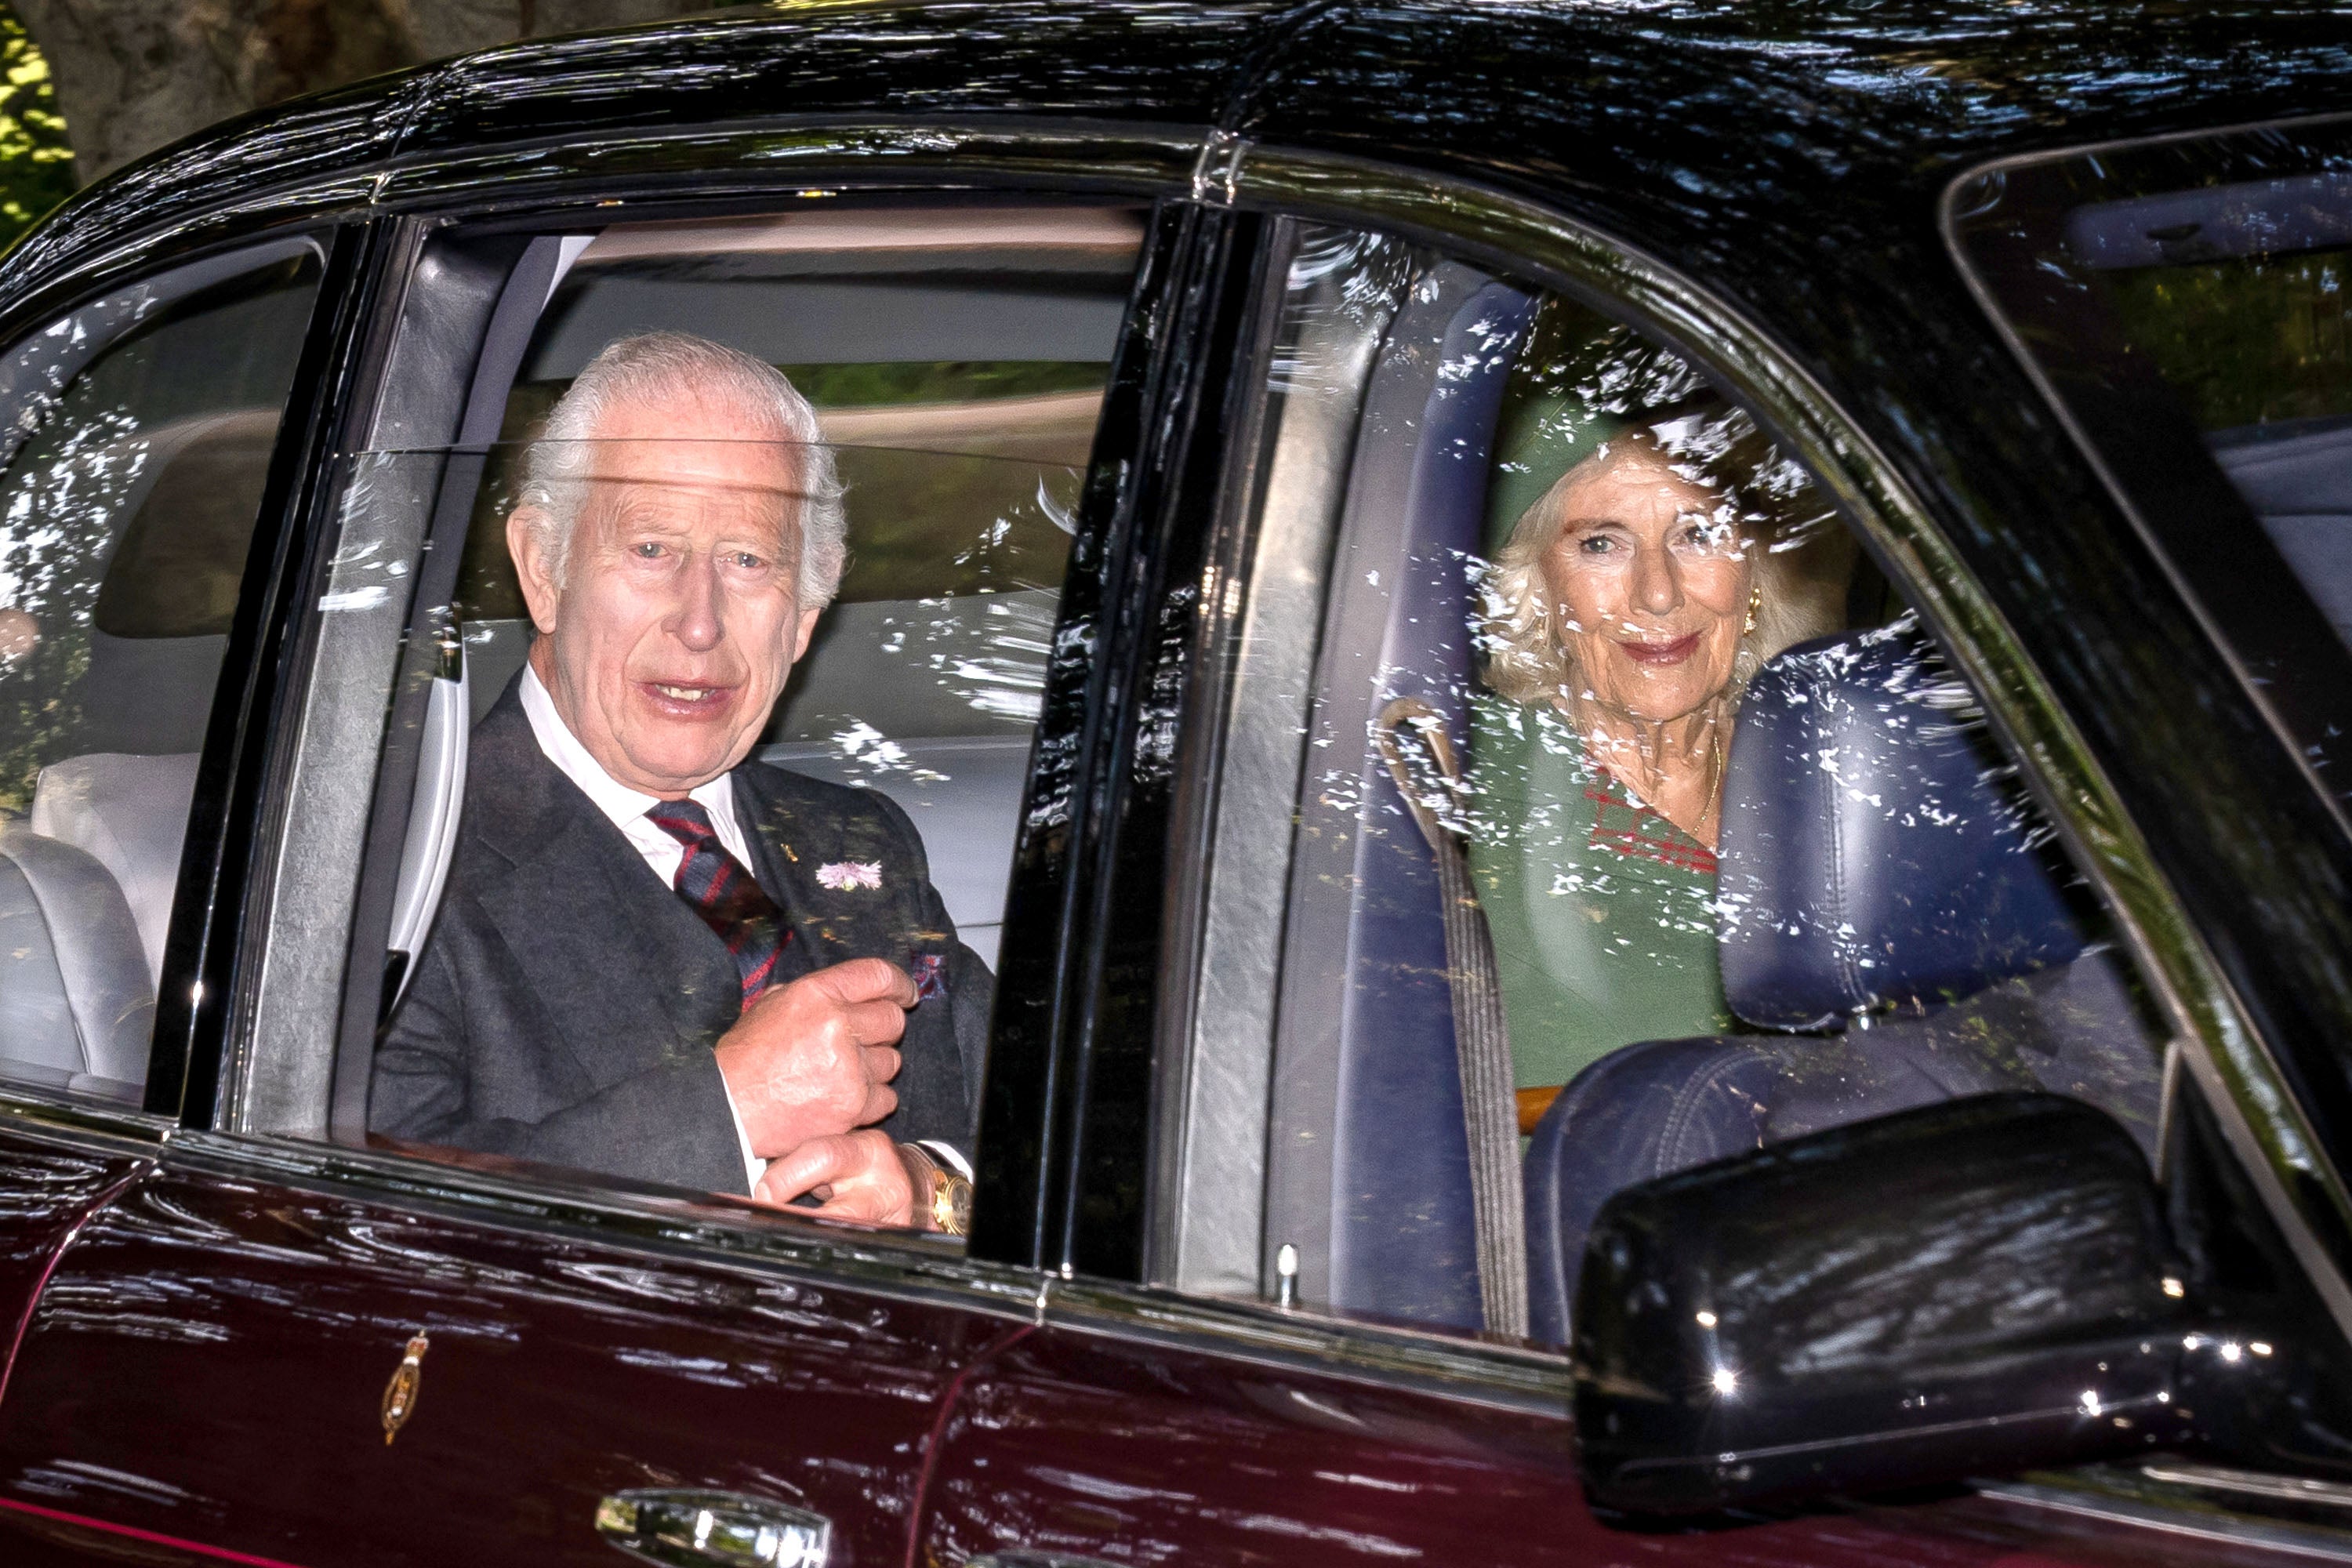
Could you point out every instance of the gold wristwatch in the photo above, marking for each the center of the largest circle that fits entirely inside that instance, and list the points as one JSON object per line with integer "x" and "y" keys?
{"x": 942, "y": 1198}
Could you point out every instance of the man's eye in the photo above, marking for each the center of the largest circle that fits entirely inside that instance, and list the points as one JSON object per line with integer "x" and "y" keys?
{"x": 749, "y": 561}
{"x": 647, "y": 550}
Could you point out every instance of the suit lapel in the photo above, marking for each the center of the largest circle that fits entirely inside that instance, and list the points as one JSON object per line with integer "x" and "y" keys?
{"x": 623, "y": 993}
{"x": 792, "y": 848}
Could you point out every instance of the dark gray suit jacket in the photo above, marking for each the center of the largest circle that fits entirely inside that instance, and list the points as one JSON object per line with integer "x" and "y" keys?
{"x": 566, "y": 1004}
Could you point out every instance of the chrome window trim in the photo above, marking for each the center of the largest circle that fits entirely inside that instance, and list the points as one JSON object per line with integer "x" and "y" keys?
{"x": 905, "y": 1266}
{"x": 2220, "y": 1529}
{"x": 29, "y": 1110}
{"x": 1489, "y": 1374}
{"x": 759, "y": 159}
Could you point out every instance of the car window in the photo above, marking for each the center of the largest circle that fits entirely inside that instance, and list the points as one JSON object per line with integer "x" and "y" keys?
{"x": 800, "y": 490}
{"x": 139, "y": 433}
{"x": 1587, "y": 806}
{"x": 2185, "y": 300}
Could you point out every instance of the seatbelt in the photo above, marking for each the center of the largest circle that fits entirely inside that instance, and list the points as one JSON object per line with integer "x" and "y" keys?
{"x": 1419, "y": 752}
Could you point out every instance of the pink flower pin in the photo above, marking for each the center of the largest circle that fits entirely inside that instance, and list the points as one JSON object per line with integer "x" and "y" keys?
{"x": 843, "y": 875}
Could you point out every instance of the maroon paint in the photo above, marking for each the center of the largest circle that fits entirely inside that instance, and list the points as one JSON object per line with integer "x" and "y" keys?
{"x": 209, "y": 1359}
{"x": 1144, "y": 1454}
{"x": 47, "y": 1190}
{"x": 101, "y": 1528}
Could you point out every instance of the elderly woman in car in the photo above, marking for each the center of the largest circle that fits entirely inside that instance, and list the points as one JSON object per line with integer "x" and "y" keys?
{"x": 1635, "y": 592}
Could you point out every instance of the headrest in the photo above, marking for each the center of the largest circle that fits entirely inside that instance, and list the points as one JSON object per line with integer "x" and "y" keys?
{"x": 131, "y": 813}
{"x": 74, "y": 993}
{"x": 1876, "y": 848}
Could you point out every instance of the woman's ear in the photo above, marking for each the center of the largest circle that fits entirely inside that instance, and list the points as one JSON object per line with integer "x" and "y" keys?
{"x": 527, "y": 531}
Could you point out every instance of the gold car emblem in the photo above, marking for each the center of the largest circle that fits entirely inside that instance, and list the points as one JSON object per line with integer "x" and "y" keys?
{"x": 400, "y": 1393}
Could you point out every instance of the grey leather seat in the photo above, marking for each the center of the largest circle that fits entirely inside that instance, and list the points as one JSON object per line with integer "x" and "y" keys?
{"x": 76, "y": 1006}
{"x": 129, "y": 811}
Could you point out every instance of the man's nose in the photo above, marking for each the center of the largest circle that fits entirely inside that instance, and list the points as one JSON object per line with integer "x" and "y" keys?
{"x": 694, "y": 620}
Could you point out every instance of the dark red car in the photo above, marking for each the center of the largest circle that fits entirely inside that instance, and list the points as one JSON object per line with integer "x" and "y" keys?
{"x": 1402, "y": 1141}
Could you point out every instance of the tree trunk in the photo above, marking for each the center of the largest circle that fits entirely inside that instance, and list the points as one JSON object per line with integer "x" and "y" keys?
{"x": 135, "y": 75}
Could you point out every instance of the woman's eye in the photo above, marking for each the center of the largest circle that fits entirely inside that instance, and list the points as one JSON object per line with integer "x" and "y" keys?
{"x": 749, "y": 561}
{"x": 1597, "y": 544}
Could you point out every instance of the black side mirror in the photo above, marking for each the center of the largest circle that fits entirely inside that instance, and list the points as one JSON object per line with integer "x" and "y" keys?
{"x": 1970, "y": 1288}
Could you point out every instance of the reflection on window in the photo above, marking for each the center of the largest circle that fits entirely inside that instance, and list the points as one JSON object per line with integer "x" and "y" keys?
{"x": 1621, "y": 817}
{"x": 140, "y": 440}
{"x": 871, "y": 428}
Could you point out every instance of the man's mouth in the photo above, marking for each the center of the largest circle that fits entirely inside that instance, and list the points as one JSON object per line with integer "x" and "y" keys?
{"x": 1672, "y": 652}
{"x": 685, "y": 698}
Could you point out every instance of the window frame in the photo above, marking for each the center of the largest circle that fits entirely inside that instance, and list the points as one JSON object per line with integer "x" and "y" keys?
{"x": 2164, "y": 488}
{"x": 2151, "y": 461}
{"x": 1519, "y": 238}
{"x": 201, "y": 947}
{"x": 738, "y": 172}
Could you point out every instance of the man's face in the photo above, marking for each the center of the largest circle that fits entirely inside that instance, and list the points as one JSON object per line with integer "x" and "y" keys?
{"x": 678, "y": 615}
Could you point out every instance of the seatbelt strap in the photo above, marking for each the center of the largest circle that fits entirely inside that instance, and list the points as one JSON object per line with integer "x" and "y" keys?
{"x": 1413, "y": 742}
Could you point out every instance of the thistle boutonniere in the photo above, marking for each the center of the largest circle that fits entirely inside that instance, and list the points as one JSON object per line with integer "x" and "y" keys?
{"x": 841, "y": 875}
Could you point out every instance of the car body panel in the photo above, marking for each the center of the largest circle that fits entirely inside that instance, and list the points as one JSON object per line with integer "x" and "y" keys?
{"x": 1097, "y": 1444}
{"x": 215, "y": 1347}
{"x": 211, "y": 1359}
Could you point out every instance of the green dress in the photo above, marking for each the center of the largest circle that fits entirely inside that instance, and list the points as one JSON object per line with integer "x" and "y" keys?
{"x": 1602, "y": 910}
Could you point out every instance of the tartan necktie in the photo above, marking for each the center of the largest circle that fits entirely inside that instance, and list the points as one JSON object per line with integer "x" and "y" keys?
{"x": 725, "y": 895}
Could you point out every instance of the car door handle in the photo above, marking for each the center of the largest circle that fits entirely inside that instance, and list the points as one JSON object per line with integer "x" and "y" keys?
{"x": 685, "y": 1529}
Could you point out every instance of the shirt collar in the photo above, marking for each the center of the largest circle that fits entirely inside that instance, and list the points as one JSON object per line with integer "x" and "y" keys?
{"x": 616, "y": 800}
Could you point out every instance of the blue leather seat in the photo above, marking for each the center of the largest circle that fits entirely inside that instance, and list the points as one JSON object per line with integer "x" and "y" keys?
{"x": 1885, "y": 887}
{"x": 1403, "y": 1236}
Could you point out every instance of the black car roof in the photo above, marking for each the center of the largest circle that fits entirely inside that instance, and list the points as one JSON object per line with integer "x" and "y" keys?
{"x": 1702, "y": 111}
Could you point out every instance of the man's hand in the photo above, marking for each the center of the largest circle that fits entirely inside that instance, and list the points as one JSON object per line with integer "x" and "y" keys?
{"x": 814, "y": 1059}
{"x": 858, "y": 1175}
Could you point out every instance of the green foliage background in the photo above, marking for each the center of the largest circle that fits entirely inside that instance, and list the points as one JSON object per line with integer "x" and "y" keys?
{"x": 37, "y": 169}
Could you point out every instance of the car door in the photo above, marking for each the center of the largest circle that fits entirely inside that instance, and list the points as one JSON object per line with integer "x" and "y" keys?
{"x": 288, "y": 1338}
{"x": 1273, "y": 1326}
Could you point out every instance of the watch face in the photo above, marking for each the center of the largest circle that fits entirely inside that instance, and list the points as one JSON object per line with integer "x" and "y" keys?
{"x": 950, "y": 1204}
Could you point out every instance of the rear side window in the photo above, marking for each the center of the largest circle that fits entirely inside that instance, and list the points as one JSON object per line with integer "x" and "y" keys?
{"x": 140, "y": 430}
{"x": 713, "y": 648}
{"x": 2185, "y": 300}
{"x": 1588, "y": 807}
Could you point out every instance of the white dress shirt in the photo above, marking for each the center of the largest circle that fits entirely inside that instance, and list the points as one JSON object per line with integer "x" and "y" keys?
{"x": 626, "y": 809}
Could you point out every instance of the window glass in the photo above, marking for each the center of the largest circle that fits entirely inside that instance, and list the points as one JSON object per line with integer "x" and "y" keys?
{"x": 140, "y": 432}
{"x": 2259, "y": 348}
{"x": 2185, "y": 300}
{"x": 1595, "y": 810}
{"x": 747, "y": 644}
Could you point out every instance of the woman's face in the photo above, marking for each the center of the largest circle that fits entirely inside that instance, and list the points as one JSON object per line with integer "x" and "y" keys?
{"x": 1648, "y": 590}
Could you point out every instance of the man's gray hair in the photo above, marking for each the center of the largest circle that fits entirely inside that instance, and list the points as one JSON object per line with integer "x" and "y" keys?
{"x": 649, "y": 369}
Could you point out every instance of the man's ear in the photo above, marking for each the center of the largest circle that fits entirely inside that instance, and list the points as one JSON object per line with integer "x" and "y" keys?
{"x": 525, "y": 541}
{"x": 807, "y": 630}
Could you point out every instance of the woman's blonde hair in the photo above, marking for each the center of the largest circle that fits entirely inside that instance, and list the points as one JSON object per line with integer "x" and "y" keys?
{"x": 1713, "y": 445}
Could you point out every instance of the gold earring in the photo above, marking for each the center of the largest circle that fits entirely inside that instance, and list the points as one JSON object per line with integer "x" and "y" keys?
{"x": 1754, "y": 603}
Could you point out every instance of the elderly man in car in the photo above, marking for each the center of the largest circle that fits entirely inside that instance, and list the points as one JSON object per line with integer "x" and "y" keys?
{"x": 658, "y": 958}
